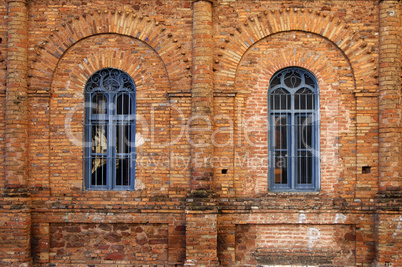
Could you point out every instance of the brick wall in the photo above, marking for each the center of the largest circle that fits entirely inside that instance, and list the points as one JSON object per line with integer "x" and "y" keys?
{"x": 202, "y": 71}
{"x": 3, "y": 57}
{"x": 108, "y": 243}
{"x": 309, "y": 244}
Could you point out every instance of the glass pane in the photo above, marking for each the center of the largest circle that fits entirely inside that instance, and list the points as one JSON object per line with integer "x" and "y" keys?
{"x": 99, "y": 170}
{"x": 304, "y": 135}
{"x": 93, "y": 82}
{"x": 281, "y": 167}
{"x": 123, "y": 104}
{"x": 308, "y": 80}
{"x": 304, "y": 167}
{"x": 280, "y": 99}
{"x": 275, "y": 81}
{"x": 111, "y": 80}
{"x": 304, "y": 99}
{"x": 122, "y": 171}
{"x": 281, "y": 134}
{"x": 99, "y": 139}
{"x": 99, "y": 104}
{"x": 123, "y": 138}
{"x": 292, "y": 79}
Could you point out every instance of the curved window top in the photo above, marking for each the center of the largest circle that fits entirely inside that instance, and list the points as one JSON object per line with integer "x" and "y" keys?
{"x": 292, "y": 80}
{"x": 110, "y": 80}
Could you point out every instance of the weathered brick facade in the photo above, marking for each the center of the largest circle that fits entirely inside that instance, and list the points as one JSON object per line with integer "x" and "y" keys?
{"x": 202, "y": 71}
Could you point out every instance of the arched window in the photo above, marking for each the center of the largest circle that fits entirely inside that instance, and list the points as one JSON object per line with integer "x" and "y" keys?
{"x": 110, "y": 130}
{"x": 294, "y": 131}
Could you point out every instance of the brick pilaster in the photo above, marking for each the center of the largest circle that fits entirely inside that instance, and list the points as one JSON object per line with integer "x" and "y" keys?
{"x": 16, "y": 95}
{"x": 201, "y": 238}
{"x": 15, "y": 200}
{"x": 389, "y": 96}
{"x": 390, "y": 148}
{"x": 201, "y": 214}
{"x": 202, "y": 96}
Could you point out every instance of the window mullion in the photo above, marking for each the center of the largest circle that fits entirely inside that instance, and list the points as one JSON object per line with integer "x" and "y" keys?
{"x": 293, "y": 145}
{"x": 131, "y": 146}
{"x": 110, "y": 145}
{"x": 313, "y": 146}
{"x": 271, "y": 149}
{"x": 88, "y": 140}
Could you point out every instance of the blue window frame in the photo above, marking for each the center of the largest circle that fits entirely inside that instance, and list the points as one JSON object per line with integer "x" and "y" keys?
{"x": 294, "y": 131}
{"x": 110, "y": 98}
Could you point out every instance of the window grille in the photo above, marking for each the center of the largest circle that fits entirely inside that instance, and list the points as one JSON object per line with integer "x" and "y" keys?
{"x": 110, "y": 130}
{"x": 293, "y": 136}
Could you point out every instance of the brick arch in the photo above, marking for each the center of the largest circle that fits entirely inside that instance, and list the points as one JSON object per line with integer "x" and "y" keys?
{"x": 126, "y": 23}
{"x": 258, "y": 27}
{"x": 128, "y": 62}
{"x": 337, "y": 107}
{"x": 270, "y": 63}
{"x": 66, "y": 111}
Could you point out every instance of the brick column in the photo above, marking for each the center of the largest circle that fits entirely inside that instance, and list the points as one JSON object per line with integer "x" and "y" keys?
{"x": 389, "y": 198}
{"x": 201, "y": 238}
{"x": 202, "y": 96}
{"x": 201, "y": 213}
{"x": 389, "y": 96}
{"x": 15, "y": 211}
{"x": 16, "y": 95}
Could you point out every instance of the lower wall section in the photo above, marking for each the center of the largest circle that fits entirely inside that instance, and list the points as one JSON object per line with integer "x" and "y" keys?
{"x": 15, "y": 232}
{"x": 295, "y": 244}
{"x": 389, "y": 239}
{"x": 120, "y": 243}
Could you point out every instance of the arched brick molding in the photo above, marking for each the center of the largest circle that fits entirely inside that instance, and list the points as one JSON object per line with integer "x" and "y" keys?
{"x": 256, "y": 27}
{"x": 124, "y": 22}
{"x": 3, "y": 71}
{"x": 337, "y": 108}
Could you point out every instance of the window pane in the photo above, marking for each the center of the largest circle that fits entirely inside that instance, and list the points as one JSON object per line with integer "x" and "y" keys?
{"x": 304, "y": 167}
{"x": 308, "y": 80}
{"x": 99, "y": 155}
{"x": 123, "y": 171}
{"x": 281, "y": 167}
{"x": 99, "y": 104}
{"x": 292, "y": 79}
{"x": 111, "y": 80}
{"x": 281, "y": 135}
{"x": 304, "y": 132}
{"x": 304, "y": 99}
{"x": 275, "y": 81}
{"x": 93, "y": 82}
{"x": 280, "y": 99}
{"x": 123, "y": 138}
{"x": 123, "y": 104}
{"x": 99, "y": 170}
{"x": 99, "y": 138}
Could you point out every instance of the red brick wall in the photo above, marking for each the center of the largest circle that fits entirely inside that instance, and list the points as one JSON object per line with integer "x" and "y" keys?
{"x": 243, "y": 235}
{"x": 389, "y": 236}
{"x": 108, "y": 243}
{"x": 308, "y": 244}
{"x": 3, "y": 71}
{"x": 15, "y": 231}
{"x": 107, "y": 238}
{"x": 177, "y": 70}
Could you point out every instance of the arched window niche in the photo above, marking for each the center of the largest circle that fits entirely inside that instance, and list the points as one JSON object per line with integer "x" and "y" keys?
{"x": 294, "y": 131}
